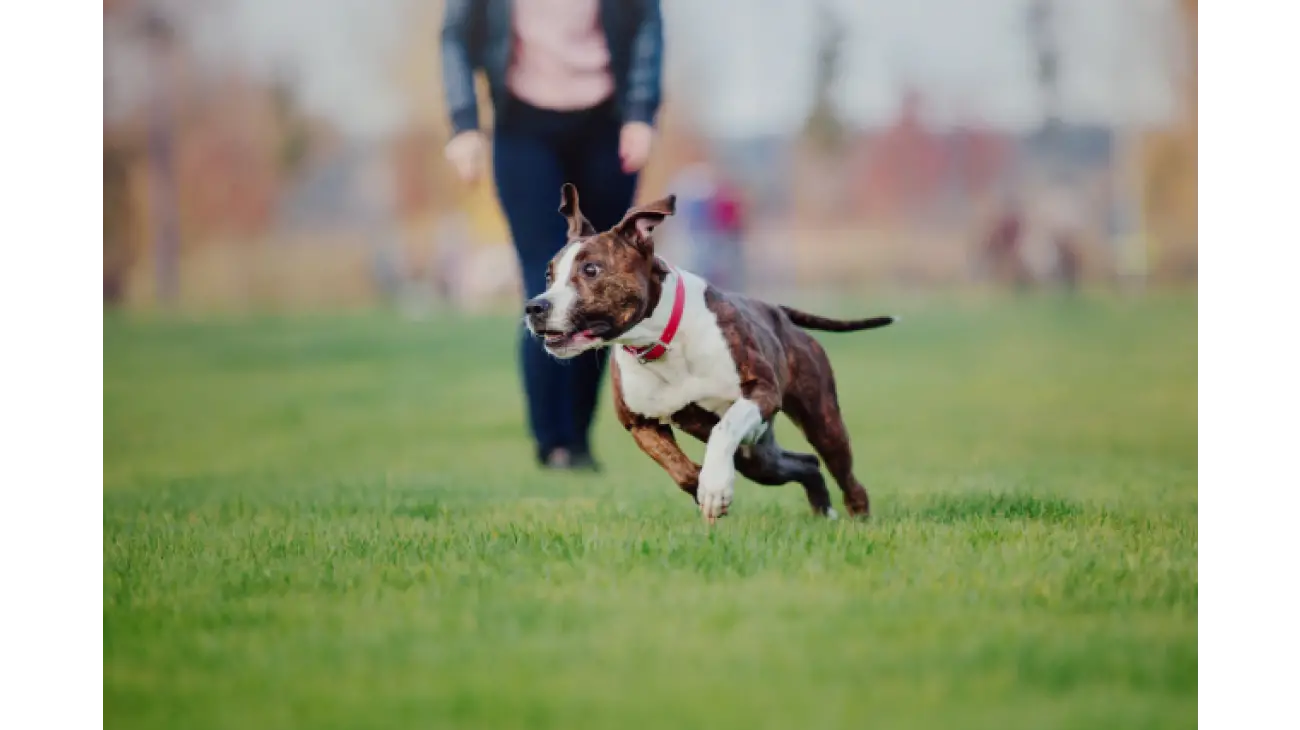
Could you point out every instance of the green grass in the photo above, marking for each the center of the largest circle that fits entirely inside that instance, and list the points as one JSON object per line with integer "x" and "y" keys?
{"x": 335, "y": 523}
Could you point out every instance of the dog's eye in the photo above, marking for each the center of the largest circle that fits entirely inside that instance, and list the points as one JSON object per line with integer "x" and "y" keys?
{"x": 590, "y": 270}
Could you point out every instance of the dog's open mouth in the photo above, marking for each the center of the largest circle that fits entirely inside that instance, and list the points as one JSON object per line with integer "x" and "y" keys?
{"x": 564, "y": 340}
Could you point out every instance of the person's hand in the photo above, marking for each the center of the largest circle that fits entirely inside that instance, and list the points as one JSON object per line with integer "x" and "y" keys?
{"x": 634, "y": 143}
{"x": 466, "y": 152}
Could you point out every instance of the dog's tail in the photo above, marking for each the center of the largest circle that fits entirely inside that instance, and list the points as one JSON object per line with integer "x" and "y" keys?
{"x": 826, "y": 324}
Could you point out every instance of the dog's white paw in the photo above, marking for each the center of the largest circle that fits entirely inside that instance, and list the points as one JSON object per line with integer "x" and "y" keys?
{"x": 716, "y": 490}
{"x": 831, "y": 514}
{"x": 755, "y": 434}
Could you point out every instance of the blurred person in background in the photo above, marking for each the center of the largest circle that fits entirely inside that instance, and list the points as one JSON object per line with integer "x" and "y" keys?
{"x": 1002, "y": 247}
{"x": 575, "y": 88}
{"x": 1069, "y": 259}
{"x": 695, "y": 185}
{"x": 709, "y": 209}
{"x": 1064, "y": 221}
{"x": 728, "y": 217}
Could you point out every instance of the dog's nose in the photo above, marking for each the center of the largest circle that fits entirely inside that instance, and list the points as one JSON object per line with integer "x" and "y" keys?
{"x": 536, "y": 307}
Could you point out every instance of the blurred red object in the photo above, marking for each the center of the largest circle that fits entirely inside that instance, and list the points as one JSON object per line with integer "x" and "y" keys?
{"x": 728, "y": 210}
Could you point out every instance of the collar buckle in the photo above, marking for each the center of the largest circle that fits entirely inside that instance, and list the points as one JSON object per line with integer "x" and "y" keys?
{"x": 643, "y": 354}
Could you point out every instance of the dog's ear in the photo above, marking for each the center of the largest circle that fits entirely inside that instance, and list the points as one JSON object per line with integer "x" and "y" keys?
{"x": 578, "y": 223}
{"x": 641, "y": 221}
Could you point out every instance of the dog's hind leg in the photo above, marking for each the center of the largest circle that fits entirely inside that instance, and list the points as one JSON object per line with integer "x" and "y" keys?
{"x": 825, "y": 430}
{"x": 768, "y": 464}
{"x": 816, "y": 411}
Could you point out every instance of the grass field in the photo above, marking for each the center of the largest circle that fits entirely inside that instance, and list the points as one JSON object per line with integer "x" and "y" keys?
{"x": 334, "y": 523}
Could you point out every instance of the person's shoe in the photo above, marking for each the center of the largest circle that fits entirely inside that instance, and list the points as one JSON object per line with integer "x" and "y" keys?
{"x": 583, "y": 462}
{"x": 557, "y": 458}
{"x": 562, "y": 458}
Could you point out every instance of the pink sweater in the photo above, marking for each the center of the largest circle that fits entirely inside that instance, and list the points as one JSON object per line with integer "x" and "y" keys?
{"x": 560, "y": 61}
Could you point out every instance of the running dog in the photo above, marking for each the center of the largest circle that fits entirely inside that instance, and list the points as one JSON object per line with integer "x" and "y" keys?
{"x": 714, "y": 364}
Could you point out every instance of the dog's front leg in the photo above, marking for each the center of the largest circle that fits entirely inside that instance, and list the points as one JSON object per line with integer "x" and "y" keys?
{"x": 657, "y": 440}
{"x": 744, "y": 422}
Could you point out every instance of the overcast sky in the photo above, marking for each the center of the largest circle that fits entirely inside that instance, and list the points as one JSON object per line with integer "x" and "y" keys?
{"x": 747, "y": 65}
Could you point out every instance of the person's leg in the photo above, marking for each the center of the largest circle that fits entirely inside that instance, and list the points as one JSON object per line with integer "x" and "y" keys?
{"x": 528, "y": 175}
{"x": 592, "y": 164}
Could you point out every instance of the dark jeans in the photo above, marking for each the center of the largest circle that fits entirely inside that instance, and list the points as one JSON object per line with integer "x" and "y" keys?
{"x": 536, "y": 151}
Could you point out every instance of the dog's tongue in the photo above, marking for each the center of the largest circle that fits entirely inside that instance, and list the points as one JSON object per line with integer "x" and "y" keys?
{"x": 576, "y": 338}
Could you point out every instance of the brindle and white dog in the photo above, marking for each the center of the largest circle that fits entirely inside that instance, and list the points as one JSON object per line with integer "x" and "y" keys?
{"x": 716, "y": 365}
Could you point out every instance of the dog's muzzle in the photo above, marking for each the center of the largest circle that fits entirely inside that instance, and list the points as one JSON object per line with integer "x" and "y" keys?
{"x": 536, "y": 311}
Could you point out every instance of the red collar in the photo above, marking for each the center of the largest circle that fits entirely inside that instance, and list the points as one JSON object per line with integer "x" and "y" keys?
{"x": 658, "y": 349}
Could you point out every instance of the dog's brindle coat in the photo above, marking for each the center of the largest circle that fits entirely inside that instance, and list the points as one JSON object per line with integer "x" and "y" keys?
{"x": 733, "y": 364}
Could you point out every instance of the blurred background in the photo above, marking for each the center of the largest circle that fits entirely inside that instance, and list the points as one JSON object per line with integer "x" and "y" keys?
{"x": 287, "y": 154}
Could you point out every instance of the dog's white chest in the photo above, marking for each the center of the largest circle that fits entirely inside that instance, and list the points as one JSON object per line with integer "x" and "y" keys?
{"x": 649, "y": 396}
{"x": 699, "y": 370}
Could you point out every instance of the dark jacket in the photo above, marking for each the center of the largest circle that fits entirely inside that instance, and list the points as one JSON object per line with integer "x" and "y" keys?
{"x": 477, "y": 34}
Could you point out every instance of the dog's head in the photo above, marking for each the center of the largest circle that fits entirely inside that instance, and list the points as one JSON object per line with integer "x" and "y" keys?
{"x": 599, "y": 285}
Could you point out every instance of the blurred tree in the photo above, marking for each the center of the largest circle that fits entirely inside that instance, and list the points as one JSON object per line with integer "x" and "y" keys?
{"x": 295, "y": 134}
{"x": 160, "y": 37}
{"x": 1043, "y": 40}
{"x": 824, "y": 128}
{"x": 120, "y": 222}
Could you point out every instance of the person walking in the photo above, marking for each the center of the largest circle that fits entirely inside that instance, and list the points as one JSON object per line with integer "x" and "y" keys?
{"x": 575, "y": 90}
